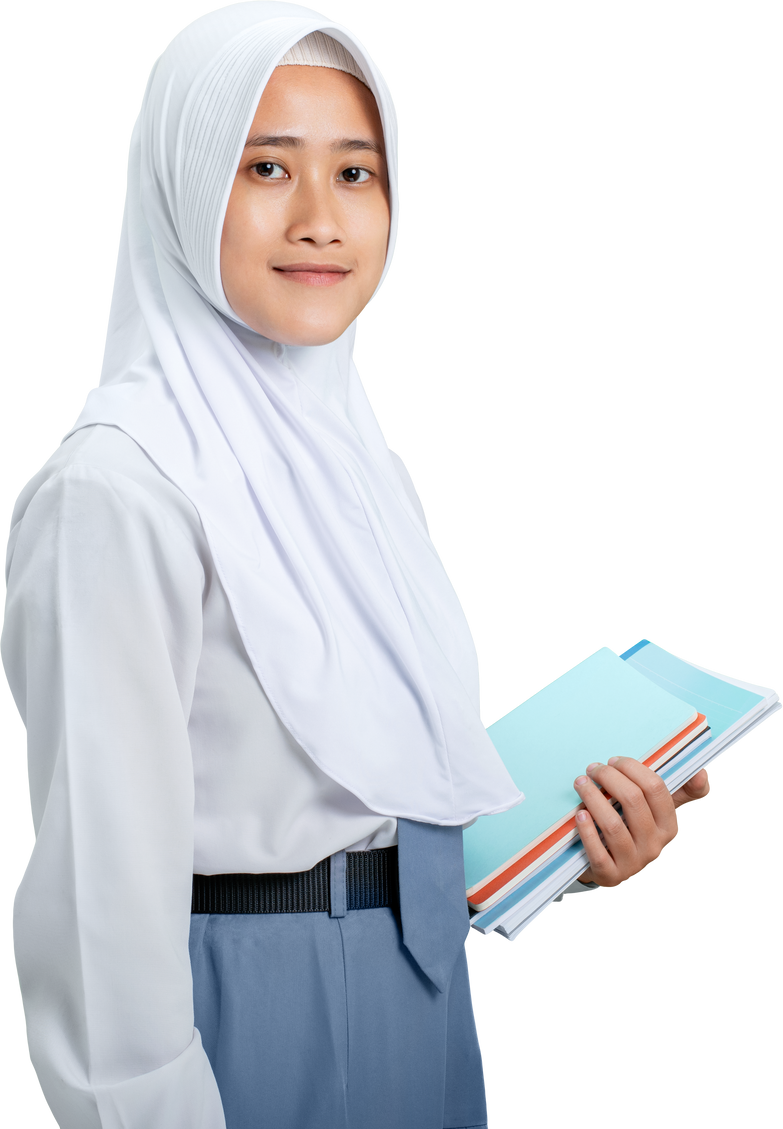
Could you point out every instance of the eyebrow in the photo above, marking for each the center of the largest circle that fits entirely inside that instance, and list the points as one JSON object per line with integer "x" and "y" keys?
{"x": 286, "y": 141}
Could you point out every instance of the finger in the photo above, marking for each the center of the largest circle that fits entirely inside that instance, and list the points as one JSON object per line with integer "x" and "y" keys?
{"x": 603, "y": 869}
{"x": 631, "y": 783}
{"x": 618, "y": 839}
{"x": 636, "y": 815}
{"x": 656, "y": 793}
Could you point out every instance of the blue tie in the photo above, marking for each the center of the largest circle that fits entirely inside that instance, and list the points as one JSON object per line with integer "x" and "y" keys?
{"x": 433, "y": 906}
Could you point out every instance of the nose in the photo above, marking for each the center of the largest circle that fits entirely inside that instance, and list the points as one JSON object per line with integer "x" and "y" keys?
{"x": 314, "y": 214}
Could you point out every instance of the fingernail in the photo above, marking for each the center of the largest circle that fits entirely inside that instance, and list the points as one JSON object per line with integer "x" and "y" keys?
{"x": 592, "y": 767}
{"x": 580, "y": 781}
{"x": 581, "y": 816}
{"x": 613, "y": 760}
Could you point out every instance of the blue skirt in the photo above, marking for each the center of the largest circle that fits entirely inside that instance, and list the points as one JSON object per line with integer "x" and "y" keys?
{"x": 312, "y": 1021}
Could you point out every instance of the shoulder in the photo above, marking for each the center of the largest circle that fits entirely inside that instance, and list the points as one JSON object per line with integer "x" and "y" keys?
{"x": 410, "y": 489}
{"x": 98, "y": 481}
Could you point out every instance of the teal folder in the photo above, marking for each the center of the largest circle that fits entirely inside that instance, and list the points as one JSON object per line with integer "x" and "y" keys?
{"x": 600, "y": 709}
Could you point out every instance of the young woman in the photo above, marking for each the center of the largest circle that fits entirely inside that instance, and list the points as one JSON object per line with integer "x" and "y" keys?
{"x": 238, "y": 655}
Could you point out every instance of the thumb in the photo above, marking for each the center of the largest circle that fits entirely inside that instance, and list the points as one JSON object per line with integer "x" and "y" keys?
{"x": 695, "y": 789}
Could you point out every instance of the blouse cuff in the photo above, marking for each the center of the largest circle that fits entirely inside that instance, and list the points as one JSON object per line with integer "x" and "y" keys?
{"x": 183, "y": 1094}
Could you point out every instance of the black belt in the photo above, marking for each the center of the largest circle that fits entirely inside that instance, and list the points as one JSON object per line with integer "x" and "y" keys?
{"x": 370, "y": 882}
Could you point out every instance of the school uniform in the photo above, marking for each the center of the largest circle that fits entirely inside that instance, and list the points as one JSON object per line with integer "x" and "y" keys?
{"x": 238, "y": 654}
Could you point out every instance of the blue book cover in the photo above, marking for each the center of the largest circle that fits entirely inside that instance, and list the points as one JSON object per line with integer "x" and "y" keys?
{"x": 723, "y": 703}
{"x": 601, "y": 708}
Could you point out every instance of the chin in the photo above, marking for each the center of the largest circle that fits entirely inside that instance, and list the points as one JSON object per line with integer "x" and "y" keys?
{"x": 302, "y": 332}
{"x": 313, "y": 337}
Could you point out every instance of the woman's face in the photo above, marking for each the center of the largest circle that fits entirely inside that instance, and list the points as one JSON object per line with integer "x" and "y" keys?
{"x": 307, "y": 225}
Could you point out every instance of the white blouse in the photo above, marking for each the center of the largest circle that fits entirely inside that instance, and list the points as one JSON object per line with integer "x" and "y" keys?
{"x": 153, "y": 753}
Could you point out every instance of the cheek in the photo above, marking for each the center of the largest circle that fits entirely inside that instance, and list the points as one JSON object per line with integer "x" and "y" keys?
{"x": 375, "y": 237}
{"x": 249, "y": 232}
{"x": 230, "y": 242}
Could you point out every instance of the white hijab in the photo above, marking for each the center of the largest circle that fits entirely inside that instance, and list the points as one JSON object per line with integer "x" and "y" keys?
{"x": 346, "y": 612}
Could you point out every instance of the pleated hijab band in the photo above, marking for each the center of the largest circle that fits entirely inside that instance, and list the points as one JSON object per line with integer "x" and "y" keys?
{"x": 344, "y": 608}
{"x": 319, "y": 50}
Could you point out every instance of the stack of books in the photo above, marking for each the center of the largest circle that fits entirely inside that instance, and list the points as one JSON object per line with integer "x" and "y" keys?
{"x": 647, "y": 704}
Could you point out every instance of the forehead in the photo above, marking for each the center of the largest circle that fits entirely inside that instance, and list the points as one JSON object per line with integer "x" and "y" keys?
{"x": 317, "y": 103}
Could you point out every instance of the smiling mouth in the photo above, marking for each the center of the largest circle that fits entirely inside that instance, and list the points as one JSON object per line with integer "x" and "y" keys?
{"x": 314, "y": 274}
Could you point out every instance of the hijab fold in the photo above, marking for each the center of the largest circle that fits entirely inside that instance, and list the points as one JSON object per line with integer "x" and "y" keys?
{"x": 345, "y": 610}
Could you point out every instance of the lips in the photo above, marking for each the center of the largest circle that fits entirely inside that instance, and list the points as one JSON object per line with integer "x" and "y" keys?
{"x": 313, "y": 274}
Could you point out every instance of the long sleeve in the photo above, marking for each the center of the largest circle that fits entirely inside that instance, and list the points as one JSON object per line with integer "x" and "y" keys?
{"x": 101, "y": 645}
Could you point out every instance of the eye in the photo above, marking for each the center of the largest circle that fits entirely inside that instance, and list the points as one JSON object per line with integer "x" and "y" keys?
{"x": 270, "y": 170}
{"x": 354, "y": 175}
